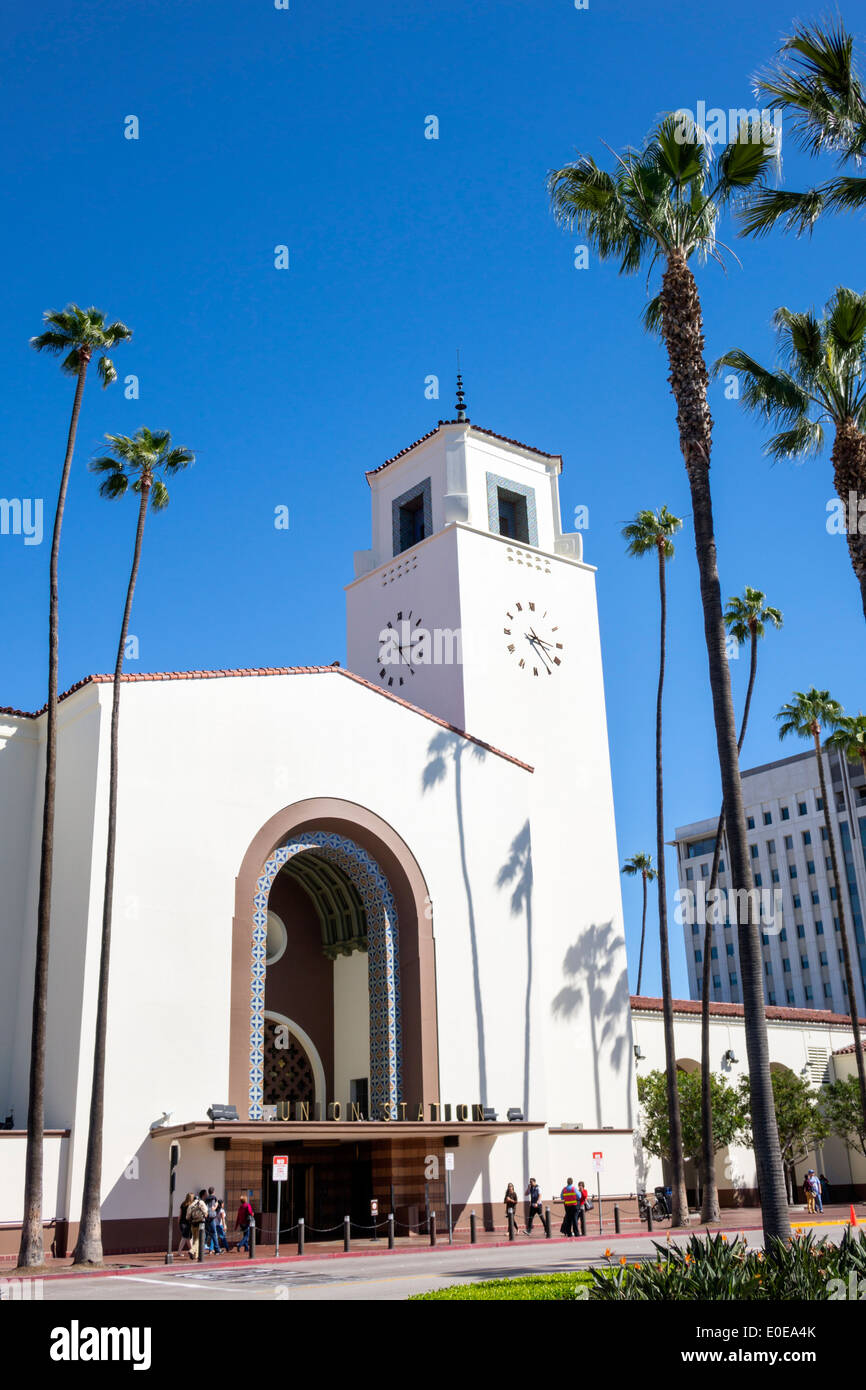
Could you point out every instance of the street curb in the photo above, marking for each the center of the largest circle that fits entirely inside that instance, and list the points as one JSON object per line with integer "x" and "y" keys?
{"x": 426, "y": 1248}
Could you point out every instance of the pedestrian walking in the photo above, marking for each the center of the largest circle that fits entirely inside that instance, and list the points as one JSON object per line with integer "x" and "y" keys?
{"x": 196, "y": 1214}
{"x": 571, "y": 1202}
{"x": 222, "y": 1234}
{"x": 211, "y": 1222}
{"x": 815, "y": 1185}
{"x": 809, "y": 1191}
{"x": 533, "y": 1192}
{"x": 185, "y": 1228}
{"x": 243, "y": 1222}
{"x": 511, "y": 1206}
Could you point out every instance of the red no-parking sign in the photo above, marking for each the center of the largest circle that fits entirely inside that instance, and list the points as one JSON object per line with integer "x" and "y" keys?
{"x": 281, "y": 1167}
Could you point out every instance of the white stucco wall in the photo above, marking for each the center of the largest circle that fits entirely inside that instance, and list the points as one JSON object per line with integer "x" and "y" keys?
{"x": 792, "y": 1044}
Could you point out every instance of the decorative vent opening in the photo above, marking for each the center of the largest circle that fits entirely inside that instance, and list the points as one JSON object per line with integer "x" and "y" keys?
{"x": 818, "y": 1064}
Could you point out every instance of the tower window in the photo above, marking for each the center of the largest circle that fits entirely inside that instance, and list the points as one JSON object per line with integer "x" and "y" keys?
{"x": 511, "y": 509}
{"x": 512, "y": 516}
{"x": 411, "y": 517}
{"x": 412, "y": 523}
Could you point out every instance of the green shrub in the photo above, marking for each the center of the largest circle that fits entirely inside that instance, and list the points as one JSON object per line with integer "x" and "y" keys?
{"x": 715, "y": 1267}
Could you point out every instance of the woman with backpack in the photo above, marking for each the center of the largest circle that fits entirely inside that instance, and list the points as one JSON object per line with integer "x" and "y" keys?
{"x": 196, "y": 1215}
{"x": 185, "y": 1228}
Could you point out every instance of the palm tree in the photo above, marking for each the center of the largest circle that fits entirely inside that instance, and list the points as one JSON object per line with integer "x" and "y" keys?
{"x": 746, "y": 619}
{"x": 662, "y": 205}
{"x": 133, "y": 463}
{"x": 821, "y": 378}
{"x": 651, "y": 532}
{"x": 849, "y": 737}
{"x": 814, "y": 78}
{"x": 641, "y": 864}
{"x": 77, "y": 334}
{"x": 806, "y": 715}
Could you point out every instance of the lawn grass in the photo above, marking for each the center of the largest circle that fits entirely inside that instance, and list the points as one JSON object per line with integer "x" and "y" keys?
{"x": 556, "y": 1287}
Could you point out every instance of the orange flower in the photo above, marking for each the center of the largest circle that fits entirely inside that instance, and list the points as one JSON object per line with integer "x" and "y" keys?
{"x": 725, "y": 1239}
{"x": 635, "y": 1266}
{"x": 608, "y": 1252}
{"x": 623, "y": 1260}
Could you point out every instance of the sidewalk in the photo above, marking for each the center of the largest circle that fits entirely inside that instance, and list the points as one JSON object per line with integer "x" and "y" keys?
{"x": 742, "y": 1219}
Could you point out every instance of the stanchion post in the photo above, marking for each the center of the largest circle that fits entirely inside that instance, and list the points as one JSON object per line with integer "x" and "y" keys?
{"x": 616, "y": 1217}
{"x": 432, "y": 1227}
{"x": 347, "y": 1233}
{"x": 390, "y": 1230}
{"x": 253, "y": 1238}
{"x": 547, "y": 1226}
{"x": 473, "y": 1228}
{"x": 510, "y": 1224}
{"x": 300, "y": 1235}
{"x": 649, "y": 1216}
{"x": 582, "y": 1219}
{"x": 200, "y": 1252}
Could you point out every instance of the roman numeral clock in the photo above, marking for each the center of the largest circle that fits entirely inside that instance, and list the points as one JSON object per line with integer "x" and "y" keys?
{"x": 402, "y": 646}
{"x": 533, "y": 639}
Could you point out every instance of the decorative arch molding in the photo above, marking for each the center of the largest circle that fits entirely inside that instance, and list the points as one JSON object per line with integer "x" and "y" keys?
{"x": 415, "y": 970}
{"x": 383, "y": 961}
{"x": 319, "y": 1080}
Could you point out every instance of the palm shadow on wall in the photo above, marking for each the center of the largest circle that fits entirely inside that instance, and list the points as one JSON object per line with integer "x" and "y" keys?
{"x": 597, "y": 982}
{"x": 448, "y": 750}
{"x": 516, "y": 873}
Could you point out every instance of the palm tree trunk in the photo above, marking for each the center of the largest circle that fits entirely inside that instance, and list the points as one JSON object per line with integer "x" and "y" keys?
{"x": 710, "y": 1205}
{"x": 88, "y": 1249}
{"x": 642, "y": 934}
{"x": 31, "y": 1251}
{"x": 849, "y": 472}
{"x": 678, "y": 1175}
{"x": 683, "y": 333}
{"x": 843, "y": 928}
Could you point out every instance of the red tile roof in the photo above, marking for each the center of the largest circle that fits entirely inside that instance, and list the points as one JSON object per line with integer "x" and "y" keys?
{"x": 478, "y": 430}
{"x": 269, "y": 671}
{"x": 852, "y": 1047}
{"x": 642, "y": 1004}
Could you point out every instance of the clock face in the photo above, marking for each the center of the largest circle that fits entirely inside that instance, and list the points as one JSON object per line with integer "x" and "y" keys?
{"x": 402, "y": 646}
{"x": 532, "y": 639}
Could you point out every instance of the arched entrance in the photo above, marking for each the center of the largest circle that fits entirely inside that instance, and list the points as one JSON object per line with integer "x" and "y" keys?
{"x": 374, "y": 925}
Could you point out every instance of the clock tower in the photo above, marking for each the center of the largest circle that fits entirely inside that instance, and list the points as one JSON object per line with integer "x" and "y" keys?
{"x": 475, "y": 605}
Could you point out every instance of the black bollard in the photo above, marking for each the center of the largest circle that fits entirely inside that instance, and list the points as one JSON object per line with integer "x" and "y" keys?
{"x": 347, "y": 1233}
{"x": 510, "y": 1224}
{"x": 391, "y": 1230}
{"x": 432, "y": 1227}
{"x": 616, "y": 1218}
{"x": 547, "y": 1222}
{"x": 649, "y": 1217}
{"x": 473, "y": 1228}
{"x": 201, "y": 1230}
{"x": 253, "y": 1239}
{"x": 582, "y": 1219}
{"x": 300, "y": 1235}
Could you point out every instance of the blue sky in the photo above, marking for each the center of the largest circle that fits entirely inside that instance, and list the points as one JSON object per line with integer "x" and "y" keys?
{"x": 261, "y": 127}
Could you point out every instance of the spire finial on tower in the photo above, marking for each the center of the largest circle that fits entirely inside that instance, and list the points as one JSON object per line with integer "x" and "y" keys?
{"x": 460, "y": 407}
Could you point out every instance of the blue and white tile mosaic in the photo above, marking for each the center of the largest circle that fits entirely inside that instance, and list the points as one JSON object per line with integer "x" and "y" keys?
{"x": 386, "y": 1035}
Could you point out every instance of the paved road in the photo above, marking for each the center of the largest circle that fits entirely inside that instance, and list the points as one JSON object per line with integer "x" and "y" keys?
{"x": 370, "y": 1279}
